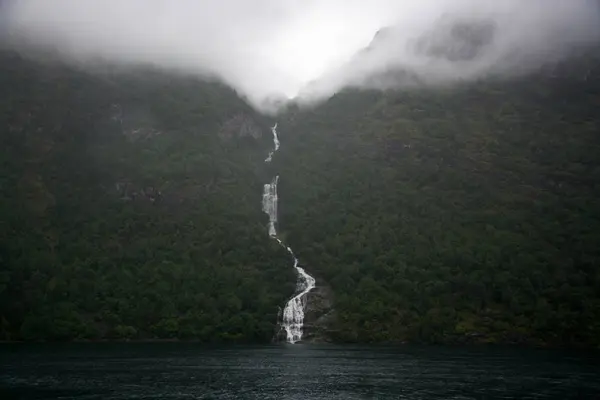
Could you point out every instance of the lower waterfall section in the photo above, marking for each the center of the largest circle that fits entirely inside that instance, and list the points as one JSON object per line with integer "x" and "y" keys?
{"x": 293, "y": 313}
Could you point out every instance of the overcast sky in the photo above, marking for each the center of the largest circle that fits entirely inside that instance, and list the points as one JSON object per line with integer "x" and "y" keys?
{"x": 275, "y": 47}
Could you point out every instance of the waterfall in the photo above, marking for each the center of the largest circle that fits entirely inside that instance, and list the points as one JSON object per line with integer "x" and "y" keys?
{"x": 293, "y": 313}
{"x": 275, "y": 142}
{"x": 269, "y": 204}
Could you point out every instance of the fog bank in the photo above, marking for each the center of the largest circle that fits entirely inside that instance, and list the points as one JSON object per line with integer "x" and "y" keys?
{"x": 311, "y": 48}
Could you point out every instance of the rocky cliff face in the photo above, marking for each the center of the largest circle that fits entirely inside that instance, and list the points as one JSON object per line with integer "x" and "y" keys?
{"x": 320, "y": 315}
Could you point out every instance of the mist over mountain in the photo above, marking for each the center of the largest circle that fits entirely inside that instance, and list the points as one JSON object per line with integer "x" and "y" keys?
{"x": 457, "y": 40}
{"x": 442, "y": 187}
{"x": 464, "y": 45}
{"x": 309, "y": 50}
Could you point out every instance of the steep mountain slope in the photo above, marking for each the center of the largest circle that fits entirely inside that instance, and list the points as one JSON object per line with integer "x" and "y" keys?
{"x": 464, "y": 214}
{"x": 130, "y": 208}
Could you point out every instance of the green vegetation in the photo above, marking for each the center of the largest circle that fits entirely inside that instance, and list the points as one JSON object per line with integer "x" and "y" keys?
{"x": 468, "y": 214}
{"x": 465, "y": 214}
{"x": 109, "y": 232}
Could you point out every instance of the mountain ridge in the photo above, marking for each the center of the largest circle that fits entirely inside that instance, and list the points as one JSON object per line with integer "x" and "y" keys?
{"x": 462, "y": 214}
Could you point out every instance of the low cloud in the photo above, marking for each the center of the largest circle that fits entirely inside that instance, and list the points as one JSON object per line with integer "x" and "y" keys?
{"x": 466, "y": 40}
{"x": 270, "y": 49}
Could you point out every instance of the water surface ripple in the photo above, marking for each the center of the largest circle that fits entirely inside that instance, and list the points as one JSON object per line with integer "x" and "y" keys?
{"x": 284, "y": 371}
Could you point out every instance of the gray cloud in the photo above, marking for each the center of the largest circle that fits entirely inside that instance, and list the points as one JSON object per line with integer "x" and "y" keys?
{"x": 267, "y": 48}
{"x": 465, "y": 39}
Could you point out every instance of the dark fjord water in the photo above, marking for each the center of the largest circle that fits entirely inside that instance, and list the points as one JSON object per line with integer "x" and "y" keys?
{"x": 186, "y": 371}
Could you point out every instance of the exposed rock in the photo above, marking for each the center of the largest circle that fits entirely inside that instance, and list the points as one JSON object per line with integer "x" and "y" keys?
{"x": 319, "y": 316}
{"x": 240, "y": 126}
{"x": 128, "y": 191}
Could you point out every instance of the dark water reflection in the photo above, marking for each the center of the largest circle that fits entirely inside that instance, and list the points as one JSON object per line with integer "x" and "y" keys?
{"x": 186, "y": 371}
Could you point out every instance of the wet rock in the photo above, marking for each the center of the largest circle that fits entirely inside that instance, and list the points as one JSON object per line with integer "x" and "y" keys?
{"x": 319, "y": 319}
{"x": 320, "y": 315}
{"x": 129, "y": 191}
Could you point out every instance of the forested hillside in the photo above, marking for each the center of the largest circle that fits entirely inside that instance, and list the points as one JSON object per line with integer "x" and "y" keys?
{"x": 130, "y": 208}
{"x": 464, "y": 214}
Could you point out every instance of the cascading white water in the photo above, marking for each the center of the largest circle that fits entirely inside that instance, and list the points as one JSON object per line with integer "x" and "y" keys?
{"x": 275, "y": 142}
{"x": 269, "y": 204}
{"x": 293, "y": 313}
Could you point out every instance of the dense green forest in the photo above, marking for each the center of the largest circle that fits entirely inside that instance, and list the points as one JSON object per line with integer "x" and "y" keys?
{"x": 465, "y": 214}
{"x": 130, "y": 208}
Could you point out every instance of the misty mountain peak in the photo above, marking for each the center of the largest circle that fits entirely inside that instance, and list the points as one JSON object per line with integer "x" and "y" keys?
{"x": 456, "y": 39}
{"x": 451, "y": 39}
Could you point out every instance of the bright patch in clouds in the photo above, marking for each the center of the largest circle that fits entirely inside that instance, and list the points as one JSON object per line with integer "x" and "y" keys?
{"x": 267, "y": 48}
{"x": 323, "y": 38}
